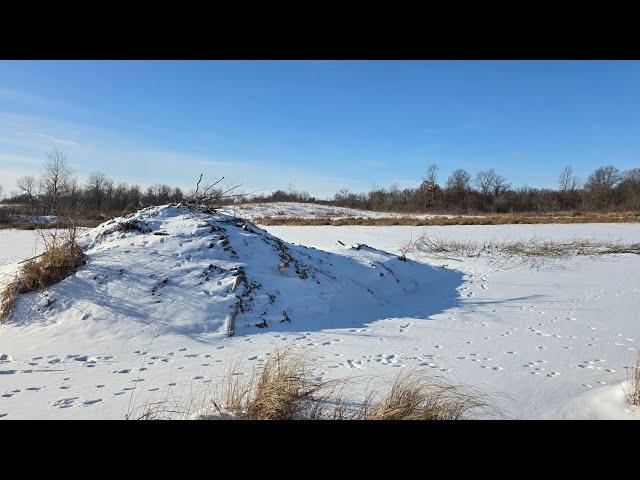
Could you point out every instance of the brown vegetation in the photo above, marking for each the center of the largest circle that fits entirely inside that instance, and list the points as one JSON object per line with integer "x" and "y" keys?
{"x": 497, "y": 219}
{"x": 534, "y": 252}
{"x": 61, "y": 257}
{"x": 285, "y": 389}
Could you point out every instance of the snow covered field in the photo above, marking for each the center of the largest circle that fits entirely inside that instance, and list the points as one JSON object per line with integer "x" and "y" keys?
{"x": 312, "y": 210}
{"x": 553, "y": 342}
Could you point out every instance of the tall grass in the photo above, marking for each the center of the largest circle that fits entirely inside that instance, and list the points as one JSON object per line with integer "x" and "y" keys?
{"x": 61, "y": 257}
{"x": 286, "y": 389}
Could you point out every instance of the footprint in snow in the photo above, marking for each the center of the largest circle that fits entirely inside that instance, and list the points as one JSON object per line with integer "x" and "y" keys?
{"x": 64, "y": 402}
{"x": 87, "y": 403}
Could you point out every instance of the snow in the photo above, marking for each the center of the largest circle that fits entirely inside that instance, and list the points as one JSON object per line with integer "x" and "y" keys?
{"x": 312, "y": 210}
{"x": 553, "y": 342}
{"x": 16, "y": 245}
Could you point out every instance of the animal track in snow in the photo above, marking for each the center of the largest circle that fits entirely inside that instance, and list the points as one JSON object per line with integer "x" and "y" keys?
{"x": 64, "y": 402}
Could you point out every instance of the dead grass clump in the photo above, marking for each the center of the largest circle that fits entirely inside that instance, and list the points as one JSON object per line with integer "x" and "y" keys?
{"x": 633, "y": 390}
{"x": 285, "y": 389}
{"x": 61, "y": 257}
{"x": 8, "y": 299}
{"x": 413, "y": 397}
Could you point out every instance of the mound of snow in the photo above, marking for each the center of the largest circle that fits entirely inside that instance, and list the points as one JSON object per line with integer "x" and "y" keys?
{"x": 188, "y": 271}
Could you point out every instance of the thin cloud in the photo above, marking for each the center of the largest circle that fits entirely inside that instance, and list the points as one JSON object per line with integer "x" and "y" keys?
{"x": 59, "y": 141}
{"x": 16, "y": 96}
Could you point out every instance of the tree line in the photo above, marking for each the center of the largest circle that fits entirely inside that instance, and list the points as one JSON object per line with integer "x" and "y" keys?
{"x": 57, "y": 192}
{"x": 606, "y": 189}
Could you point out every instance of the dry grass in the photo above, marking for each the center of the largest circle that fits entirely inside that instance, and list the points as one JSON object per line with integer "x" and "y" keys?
{"x": 495, "y": 219}
{"x": 61, "y": 257}
{"x": 633, "y": 390}
{"x": 532, "y": 252}
{"x": 8, "y": 299}
{"x": 413, "y": 397}
{"x": 285, "y": 389}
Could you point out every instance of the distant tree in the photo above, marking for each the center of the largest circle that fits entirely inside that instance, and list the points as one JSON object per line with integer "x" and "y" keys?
{"x": 96, "y": 188}
{"x": 55, "y": 177}
{"x": 458, "y": 186}
{"x": 568, "y": 184}
{"x": 600, "y": 184}
{"x": 483, "y": 182}
{"x": 429, "y": 187}
{"x": 629, "y": 188}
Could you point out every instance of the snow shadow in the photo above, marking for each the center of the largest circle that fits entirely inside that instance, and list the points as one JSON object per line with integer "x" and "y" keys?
{"x": 344, "y": 290}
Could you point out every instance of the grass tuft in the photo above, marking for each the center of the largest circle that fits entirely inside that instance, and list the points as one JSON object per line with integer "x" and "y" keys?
{"x": 413, "y": 397}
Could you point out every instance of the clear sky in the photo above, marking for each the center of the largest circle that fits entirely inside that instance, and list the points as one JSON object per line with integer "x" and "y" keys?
{"x": 322, "y": 125}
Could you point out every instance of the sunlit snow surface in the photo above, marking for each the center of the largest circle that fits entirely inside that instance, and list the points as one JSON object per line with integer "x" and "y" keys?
{"x": 552, "y": 342}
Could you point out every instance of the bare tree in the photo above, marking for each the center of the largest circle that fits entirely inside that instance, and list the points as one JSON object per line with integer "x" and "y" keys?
{"x": 96, "y": 187}
{"x": 27, "y": 186}
{"x": 600, "y": 185}
{"x": 483, "y": 183}
{"x": 458, "y": 186}
{"x": 430, "y": 186}
{"x": 568, "y": 183}
{"x": 55, "y": 177}
{"x": 499, "y": 184}
{"x": 630, "y": 189}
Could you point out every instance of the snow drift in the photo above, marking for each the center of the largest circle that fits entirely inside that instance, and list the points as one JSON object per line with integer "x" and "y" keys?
{"x": 190, "y": 270}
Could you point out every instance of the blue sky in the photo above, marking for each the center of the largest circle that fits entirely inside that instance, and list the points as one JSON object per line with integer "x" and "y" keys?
{"x": 322, "y": 125}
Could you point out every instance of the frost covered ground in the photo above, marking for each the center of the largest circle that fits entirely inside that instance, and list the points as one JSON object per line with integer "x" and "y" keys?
{"x": 553, "y": 342}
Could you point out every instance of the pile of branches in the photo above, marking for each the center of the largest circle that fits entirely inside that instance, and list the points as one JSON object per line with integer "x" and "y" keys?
{"x": 212, "y": 196}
